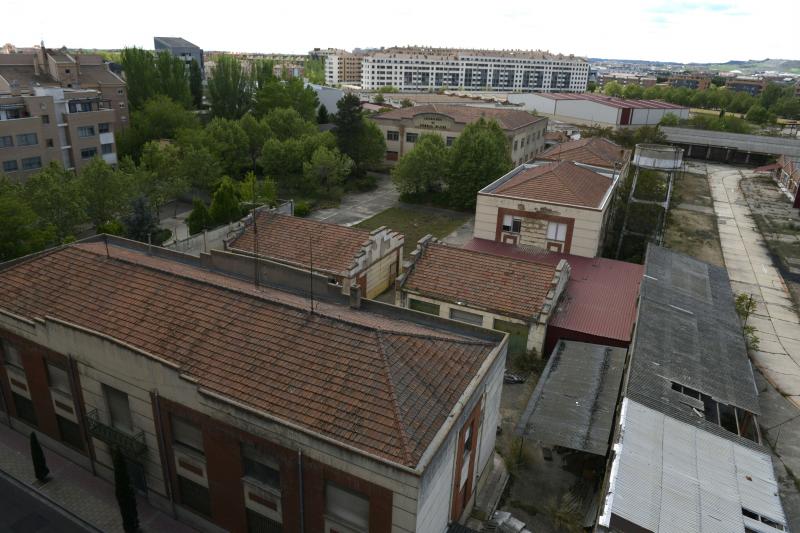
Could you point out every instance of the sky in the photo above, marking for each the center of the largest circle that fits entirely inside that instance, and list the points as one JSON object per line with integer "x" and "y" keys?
{"x": 659, "y": 30}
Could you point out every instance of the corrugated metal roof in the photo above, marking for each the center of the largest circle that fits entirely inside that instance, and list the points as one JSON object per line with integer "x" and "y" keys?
{"x": 574, "y": 402}
{"x": 672, "y": 476}
{"x": 740, "y": 141}
{"x": 613, "y": 101}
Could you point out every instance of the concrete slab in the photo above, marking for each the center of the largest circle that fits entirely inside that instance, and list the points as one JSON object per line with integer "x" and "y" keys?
{"x": 782, "y": 313}
{"x": 763, "y": 325}
{"x": 788, "y": 330}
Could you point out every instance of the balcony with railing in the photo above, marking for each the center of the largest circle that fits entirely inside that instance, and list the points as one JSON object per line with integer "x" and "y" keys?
{"x": 132, "y": 445}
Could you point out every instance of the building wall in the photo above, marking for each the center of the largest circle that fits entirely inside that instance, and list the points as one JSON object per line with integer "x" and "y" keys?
{"x": 78, "y": 143}
{"x": 383, "y": 272}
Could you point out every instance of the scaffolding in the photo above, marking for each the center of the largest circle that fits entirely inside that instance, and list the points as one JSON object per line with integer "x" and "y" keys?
{"x": 665, "y": 159}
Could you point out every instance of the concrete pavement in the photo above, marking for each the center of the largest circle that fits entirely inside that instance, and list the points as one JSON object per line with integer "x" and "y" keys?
{"x": 356, "y": 207}
{"x": 24, "y": 513}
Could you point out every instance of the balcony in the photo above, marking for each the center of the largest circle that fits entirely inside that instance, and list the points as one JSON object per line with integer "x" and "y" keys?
{"x": 132, "y": 446}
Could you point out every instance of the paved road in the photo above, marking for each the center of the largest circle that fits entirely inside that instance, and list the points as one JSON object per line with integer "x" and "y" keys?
{"x": 22, "y": 513}
{"x": 356, "y": 207}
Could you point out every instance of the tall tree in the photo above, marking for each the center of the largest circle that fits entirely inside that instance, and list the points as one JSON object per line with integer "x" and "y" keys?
{"x": 141, "y": 223}
{"x": 54, "y": 195}
{"x": 225, "y": 203}
{"x": 256, "y": 192}
{"x": 229, "y": 89}
{"x": 288, "y": 124}
{"x": 261, "y": 72}
{"x": 173, "y": 78}
{"x": 160, "y": 118}
{"x": 105, "y": 190}
{"x": 164, "y": 180}
{"x": 229, "y": 142}
{"x": 199, "y": 219}
{"x": 422, "y": 169}
{"x": 21, "y": 231}
{"x": 292, "y": 93}
{"x": 358, "y": 137}
{"x": 141, "y": 76}
{"x": 40, "y": 469}
{"x": 196, "y": 84}
{"x": 479, "y": 156}
{"x": 326, "y": 171}
{"x": 315, "y": 70}
{"x": 322, "y": 115}
{"x": 612, "y": 88}
{"x": 199, "y": 166}
{"x": 126, "y": 496}
{"x": 257, "y": 132}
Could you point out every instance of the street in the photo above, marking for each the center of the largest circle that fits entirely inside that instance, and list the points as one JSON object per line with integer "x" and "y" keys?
{"x": 22, "y": 513}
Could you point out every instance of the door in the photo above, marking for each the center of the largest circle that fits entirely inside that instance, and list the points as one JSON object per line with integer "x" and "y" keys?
{"x": 517, "y": 335}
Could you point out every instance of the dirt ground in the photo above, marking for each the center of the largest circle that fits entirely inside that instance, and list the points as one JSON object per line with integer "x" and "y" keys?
{"x": 692, "y": 188}
{"x": 691, "y": 225}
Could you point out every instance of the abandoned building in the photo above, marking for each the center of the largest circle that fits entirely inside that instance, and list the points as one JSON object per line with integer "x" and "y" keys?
{"x": 592, "y": 151}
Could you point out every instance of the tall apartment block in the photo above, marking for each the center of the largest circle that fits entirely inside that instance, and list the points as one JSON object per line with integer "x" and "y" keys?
{"x": 342, "y": 67}
{"x": 180, "y": 47}
{"x": 70, "y": 126}
{"x": 425, "y": 69}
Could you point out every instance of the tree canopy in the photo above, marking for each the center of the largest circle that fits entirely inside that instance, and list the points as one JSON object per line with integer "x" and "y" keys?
{"x": 422, "y": 169}
{"x": 230, "y": 89}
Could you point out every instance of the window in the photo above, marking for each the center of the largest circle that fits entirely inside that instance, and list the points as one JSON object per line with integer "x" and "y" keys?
{"x": 86, "y": 131}
{"x": 70, "y": 432}
{"x": 466, "y": 316}
{"x": 424, "y": 307}
{"x": 104, "y": 127}
{"x": 450, "y": 141}
{"x": 515, "y": 145}
{"x": 66, "y": 70}
{"x": 12, "y": 114}
{"x": 391, "y": 155}
{"x": 411, "y": 137}
{"x": 187, "y": 434}
{"x": 88, "y": 153}
{"x": 194, "y": 496}
{"x": 107, "y": 148}
{"x": 49, "y": 143}
{"x": 257, "y": 523}
{"x": 468, "y": 440}
{"x": 25, "y": 410}
{"x": 58, "y": 378}
{"x": 556, "y": 232}
{"x": 45, "y": 119}
{"x": 348, "y": 508}
{"x": 118, "y": 408}
{"x": 392, "y": 135}
{"x": 30, "y": 163}
{"x": 10, "y": 354}
{"x": 261, "y": 468}
{"x": 120, "y": 92}
{"x": 6, "y": 141}
{"x": 512, "y": 224}
{"x": 27, "y": 139}
{"x": 10, "y": 166}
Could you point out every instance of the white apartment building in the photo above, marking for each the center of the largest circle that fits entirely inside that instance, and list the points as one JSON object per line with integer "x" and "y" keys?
{"x": 342, "y": 68}
{"x": 424, "y": 69}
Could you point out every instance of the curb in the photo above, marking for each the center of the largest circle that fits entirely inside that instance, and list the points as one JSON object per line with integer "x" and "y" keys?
{"x": 49, "y": 502}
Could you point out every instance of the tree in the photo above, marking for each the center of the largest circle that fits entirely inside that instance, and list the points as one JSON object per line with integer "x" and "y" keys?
{"x": 231, "y": 145}
{"x": 257, "y": 132}
{"x": 405, "y": 102}
{"x": 105, "y": 191}
{"x": 196, "y": 84}
{"x": 162, "y": 180}
{"x": 358, "y": 137}
{"x": 759, "y": 114}
{"x": 322, "y": 115}
{"x": 669, "y": 119}
{"x": 787, "y": 107}
{"x": 21, "y": 231}
{"x": 200, "y": 218}
{"x": 327, "y": 170}
{"x": 262, "y": 72}
{"x": 199, "y": 167}
{"x": 255, "y": 191}
{"x": 632, "y": 91}
{"x": 225, "y": 203}
{"x": 422, "y": 169}
{"x": 287, "y": 94}
{"x": 172, "y": 78}
{"x": 286, "y": 123}
{"x": 612, "y": 88}
{"x": 126, "y": 496}
{"x": 54, "y": 196}
{"x": 229, "y": 89}
{"x": 315, "y": 70}
{"x": 141, "y": 223}
{"x": 40, "y": 469}
{"x": 741, "y": 103}
{"x": 160, "y": 118}
{"x": 379, "y": 99}
{"x": 479, "y": 156}
{"x": 591, "y": 86}
{"x": 141, "y": 76}
{"x": 771, "y": 94}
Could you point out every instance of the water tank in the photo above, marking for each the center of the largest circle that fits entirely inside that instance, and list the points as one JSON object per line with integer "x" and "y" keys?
{"x": 658, "y": 156}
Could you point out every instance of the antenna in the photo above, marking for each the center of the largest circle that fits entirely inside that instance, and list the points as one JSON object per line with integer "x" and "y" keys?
{"x": 311, "y": 272}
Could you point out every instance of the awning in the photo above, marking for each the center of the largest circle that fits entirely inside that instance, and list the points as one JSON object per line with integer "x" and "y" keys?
{"x": 574, "y": 402}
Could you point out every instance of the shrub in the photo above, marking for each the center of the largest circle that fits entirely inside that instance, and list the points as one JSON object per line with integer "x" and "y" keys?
{"x": 302, "y": 209}
{"x": 200, "y": 218}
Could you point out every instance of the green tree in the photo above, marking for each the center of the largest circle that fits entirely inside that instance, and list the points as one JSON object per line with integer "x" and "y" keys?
{"x": 229, "y": 89}
{"x": 405, "y": 102}
{"x": 160, "y": 118}
{"x": 141, "y": 76}
{"x": 286, "y": 123}
{"x": 287, "y": 94}
{"x": 315, "y": 70}
{"x": 200, "y": 218}
{"x": 422, "y": 169}
{"x": 163, "y": 179}
{"x": 225, "y": 203}
{"x": 141, "y": 223}
{"x": 21, "y": 231}
{"x": 230, "y": 144}
{"x": 196, "y": 84}
{"x": 771, "y": 94}
{"x": 479, "y": 156}
{"x": 257, "y": 192}
{"x": 591, "y": 86}
{"x": 199, "y": 166}
{"x": 379, "y": 99}
{"x": 719, "y": 81}
{"x": 39, "y": 462}
{"x": 787, "y": 107}
{"x": 669, "y": 119}
{"x": 322, "y": 115}
{"x": 257, "y": 132}
{"x": 172, "y": 78}
{"x": 741, "y": 102}
{"x": 262, "y": 72}
{"x": 105, "y": 191}
{"x": 632, "y": 91}
{"x": 612, "y": 88}
{"x": 358, "y": 137}
{"x": 759, "y": 114}
{"x": 54, "y": 196}
{"x": 126, "y": 496}
{"x": 326, "y": 170}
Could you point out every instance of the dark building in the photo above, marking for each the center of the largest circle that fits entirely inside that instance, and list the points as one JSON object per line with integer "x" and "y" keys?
{"x": 180, "y": 47}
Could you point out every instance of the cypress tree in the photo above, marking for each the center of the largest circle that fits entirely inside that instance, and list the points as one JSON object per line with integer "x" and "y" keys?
{"x": 126, "y": 497}
{"x": 39, "y": 462}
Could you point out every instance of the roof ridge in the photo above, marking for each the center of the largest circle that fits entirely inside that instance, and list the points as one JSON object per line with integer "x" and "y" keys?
{"x": 499, "y": 257}
{"x": 401, "y": 426}
{"x": 570, "y": 183}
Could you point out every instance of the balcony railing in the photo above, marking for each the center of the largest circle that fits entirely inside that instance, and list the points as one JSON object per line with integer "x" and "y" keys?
{"x": 131, "y": 445}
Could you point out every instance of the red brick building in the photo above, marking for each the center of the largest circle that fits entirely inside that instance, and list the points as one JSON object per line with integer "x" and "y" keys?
{"x": 237, "y": 406}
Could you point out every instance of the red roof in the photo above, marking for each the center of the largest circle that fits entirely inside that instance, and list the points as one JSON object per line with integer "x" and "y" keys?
{"x": 508, "y": 119}
{"x": 601, "y": 295}
{"x": 560, "y": 182}
{"x": 596, "y": 151}
{"x": 613, "y": 101}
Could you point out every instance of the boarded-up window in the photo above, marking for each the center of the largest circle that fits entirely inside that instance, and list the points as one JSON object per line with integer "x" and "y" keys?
{"x": 118, "y": 408}
{"x": 58, "y": 378}
{"x": 347, "y": 507}
{"x": 187, "y": 434}
{"x": 11, "y": 355}
{"x": 466, "y": 316}
{"x": 425, "y": 307}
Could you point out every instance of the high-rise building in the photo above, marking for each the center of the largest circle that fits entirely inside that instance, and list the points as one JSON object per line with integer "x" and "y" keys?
{"x": 342, "y": 67}
{"x": 180, "y": 47}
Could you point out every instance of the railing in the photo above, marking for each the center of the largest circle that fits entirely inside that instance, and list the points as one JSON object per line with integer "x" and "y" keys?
{"x": 131, "y": 445}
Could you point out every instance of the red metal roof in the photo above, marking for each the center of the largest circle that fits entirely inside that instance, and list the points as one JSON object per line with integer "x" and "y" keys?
{"x": 613, "y": 101}
{"x": 600, "y": 297}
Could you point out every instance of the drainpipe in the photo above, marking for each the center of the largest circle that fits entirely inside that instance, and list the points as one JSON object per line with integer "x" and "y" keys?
{"x": 300, "y": 483}
{"x": 164, "y": 460}
{"x": 75, "y": 389}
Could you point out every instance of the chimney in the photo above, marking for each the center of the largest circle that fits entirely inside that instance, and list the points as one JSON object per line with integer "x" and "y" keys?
{"x": 355, "y": 296}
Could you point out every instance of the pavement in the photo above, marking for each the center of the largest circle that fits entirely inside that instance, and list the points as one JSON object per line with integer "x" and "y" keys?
{"x": 83, "y": 500}
{"x": 461, "y": 235}
{"x": 356, "y": 207}
{"x": 21, "y": 512}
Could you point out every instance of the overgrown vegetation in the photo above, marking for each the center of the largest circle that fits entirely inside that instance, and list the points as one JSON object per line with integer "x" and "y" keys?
{"x": 745, "y": 306}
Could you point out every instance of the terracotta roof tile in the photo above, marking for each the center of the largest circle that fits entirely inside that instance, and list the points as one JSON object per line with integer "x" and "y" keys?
{"x": 509, "y": 119}
{"x": 503, "y": 285}
{"x": 381, "y": 385}
{"x": 286, "y": 238}
{"x": 595, "y": 151}
{"x": 558, "y": 183}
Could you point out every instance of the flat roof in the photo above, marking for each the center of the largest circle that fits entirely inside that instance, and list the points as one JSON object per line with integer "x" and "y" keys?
{"x": 574, "y": 402}
{"x": 509, "y": 119}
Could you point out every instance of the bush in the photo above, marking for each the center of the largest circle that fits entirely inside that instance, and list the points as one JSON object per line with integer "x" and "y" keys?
{"x": 225, "y": 203}
{"x": 112, "y": 227}
{"x": 200, "y": 218}
{"x": 302, "y": 209}
{"x": 528, "y": 362}
{"x": 363, "y": 184}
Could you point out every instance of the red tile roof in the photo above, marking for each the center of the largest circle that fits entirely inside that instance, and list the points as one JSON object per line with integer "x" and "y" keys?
{"x": 509, "y": 119}
{"x": 601, "y": 295}
{"x": 286, "y": 238}
{"x": 381, "y": 385}
{"x": 505, "y": 286}
{"x": 595, "y": 151}
{"x": 557, "y": 183}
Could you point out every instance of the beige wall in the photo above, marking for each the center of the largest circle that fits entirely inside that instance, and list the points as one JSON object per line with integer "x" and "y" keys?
{"x": 89, "y": 118}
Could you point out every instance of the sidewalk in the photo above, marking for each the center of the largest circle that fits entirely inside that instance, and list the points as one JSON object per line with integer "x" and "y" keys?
{"x": 75, "y": 490}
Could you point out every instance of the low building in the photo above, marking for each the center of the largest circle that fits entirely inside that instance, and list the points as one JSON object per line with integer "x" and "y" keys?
{"x": 642, "y": 80}
{"x": 350, "y": 256}
{"x": 556, "y": 206}
{"x": 181, "y": 48}
{"x": 687, "y": 450}
{"x": 288, "y": 71}
{"x": 402, "y": 127}
{"x": 592, "y": 151}
{"x": 746, "y": 84}
{"x": 699, "y": 82}
{"x": 486, "y": 290}
{"x": 598, "y": 110}
{"x": 240, "y": 408}
{"x": 50, "y": 124}
{"x": 786, "y": 172}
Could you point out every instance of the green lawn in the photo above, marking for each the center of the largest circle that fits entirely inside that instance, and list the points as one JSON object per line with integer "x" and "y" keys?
{"x": 416, "y": 222}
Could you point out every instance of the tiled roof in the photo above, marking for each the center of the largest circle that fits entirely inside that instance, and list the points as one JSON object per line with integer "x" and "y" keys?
{"x": 382, "y": 385}
{"x": 558, "y": 183}
{"x": 484, "y": 281}
{"x": 595, "y": 151}
{"x": 509, "y": 119}
{"x": 286, "y": 238}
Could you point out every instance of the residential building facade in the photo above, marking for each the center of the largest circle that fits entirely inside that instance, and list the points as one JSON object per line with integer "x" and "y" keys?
{"x": 402, "y": 127}
{"x": 242, "y": 409}
{"x": 343, "y": 68}
{"x": 556, "y": 206}
{"x": 746, "y": 84}
{"x": 699, "y": 82}
{"x": 181, "y": 48}
{"x": 67, "y": 126}
{"x": 629, "y": 79}
{"x": 426, "y": 69}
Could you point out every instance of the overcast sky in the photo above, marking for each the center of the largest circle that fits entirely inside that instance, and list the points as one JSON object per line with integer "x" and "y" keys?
{"x": 663, "y": 30}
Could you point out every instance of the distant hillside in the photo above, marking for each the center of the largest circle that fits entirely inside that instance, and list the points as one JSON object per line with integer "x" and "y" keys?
{"x": 749, "y": 66}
